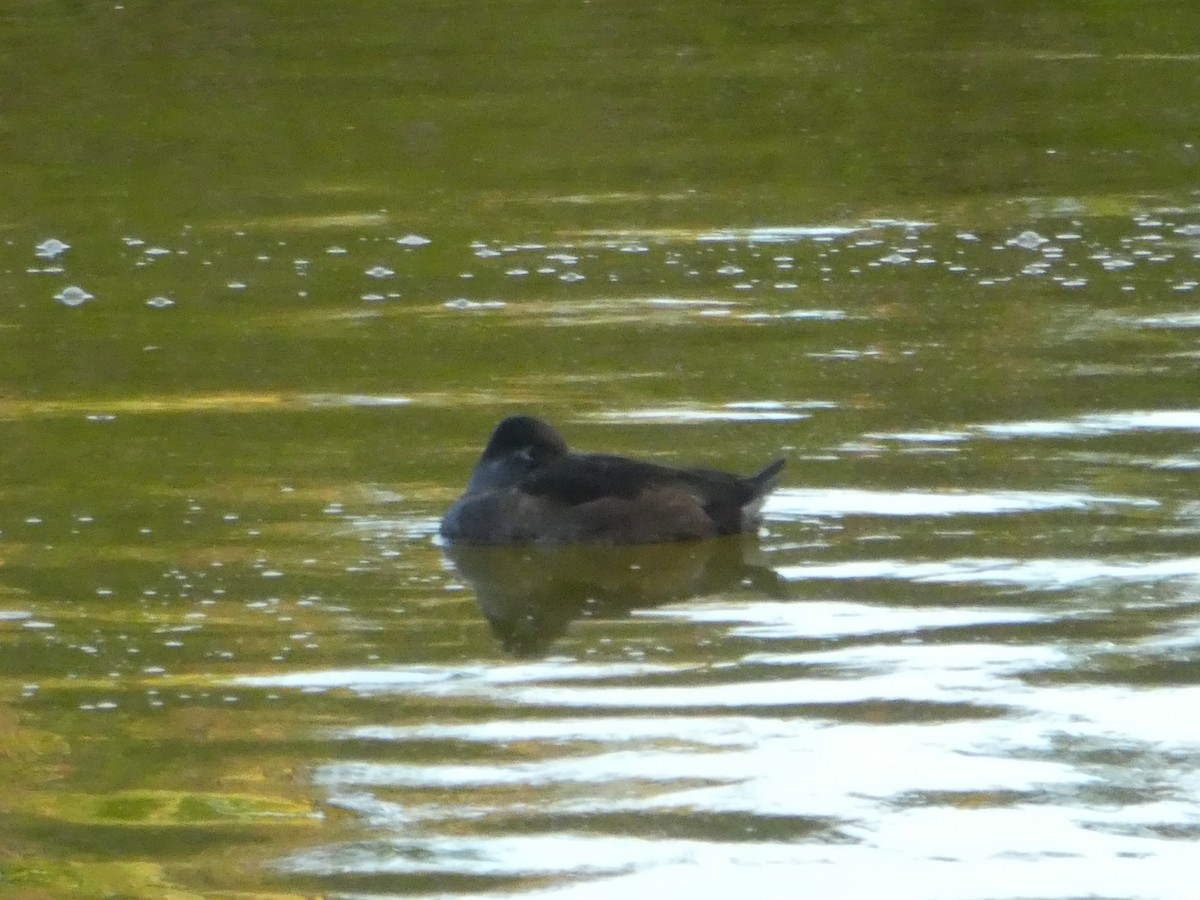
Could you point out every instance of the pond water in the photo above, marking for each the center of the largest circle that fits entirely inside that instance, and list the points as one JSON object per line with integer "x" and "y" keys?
{"x": 270, "y": 273}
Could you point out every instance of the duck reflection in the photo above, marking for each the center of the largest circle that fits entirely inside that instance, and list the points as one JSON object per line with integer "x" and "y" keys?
{"x": 531, "y": 594}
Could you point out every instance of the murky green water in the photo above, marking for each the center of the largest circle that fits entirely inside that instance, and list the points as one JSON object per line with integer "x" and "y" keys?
{"x": 269, "y": 273}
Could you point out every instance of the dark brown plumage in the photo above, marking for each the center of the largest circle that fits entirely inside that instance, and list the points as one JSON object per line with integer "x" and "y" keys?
{"x": 530, "y": 487}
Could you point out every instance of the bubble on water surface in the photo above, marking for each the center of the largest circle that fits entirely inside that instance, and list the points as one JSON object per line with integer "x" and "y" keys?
{"x": 50, "y": 248}
{"x": 160, "y": 302}
{"x": 73, "y": 296}
{"x": 380, "y": 272}
{"x": 1028, "y": 240}
{"x": 413, "y": 240}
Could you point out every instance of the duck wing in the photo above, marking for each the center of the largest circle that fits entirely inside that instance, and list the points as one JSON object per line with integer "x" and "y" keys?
{"x": 576, "y": 478}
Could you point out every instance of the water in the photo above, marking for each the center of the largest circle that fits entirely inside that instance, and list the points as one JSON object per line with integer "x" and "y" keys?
{"x": 948, "y": 269}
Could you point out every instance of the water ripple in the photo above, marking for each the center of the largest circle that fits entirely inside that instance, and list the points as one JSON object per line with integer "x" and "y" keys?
{"x": 795, "y": 502}
{"x": 1093, "y": 424}
{"x": 1040, "y": 574}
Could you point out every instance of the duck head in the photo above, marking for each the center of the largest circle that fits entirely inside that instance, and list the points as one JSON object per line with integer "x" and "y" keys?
{"x": 518, "y": 446}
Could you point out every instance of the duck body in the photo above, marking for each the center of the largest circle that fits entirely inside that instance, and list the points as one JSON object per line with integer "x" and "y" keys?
{"x": 529, "y": 487}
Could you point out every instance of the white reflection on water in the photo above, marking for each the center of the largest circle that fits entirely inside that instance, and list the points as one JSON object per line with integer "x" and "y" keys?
{"x": 356, "y": 400}
{"x": 852, "y": 686}
{"x": 1044, "y": 574}
{"x": 1161, "y": 716}
{"x": 747, "y": 411}
{"x": 828, "y": 315}
{"x": 812, "y": 772}
{"x": 497, "y": 856}
{"x": 1089, "y": 864}
{"x": 1098, "y": 424}
{"x": 446, "y": 678}
{"x": 1083, "y": 425}
{"x": 1172, "y": 320}
{"x": 864, "y": 741}
{"x": 714, "y": 731}
{"x": 907, "y": 687}
{"x": 1018, "y": 805}
{"x": 790, "y": 502}
{"x": 392, "y": 528}
{"x": 830, "y": 619}
{"x": 777, "y": 234}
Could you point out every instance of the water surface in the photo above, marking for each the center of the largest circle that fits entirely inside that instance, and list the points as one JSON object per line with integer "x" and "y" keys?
{"x": 267, "y": 279}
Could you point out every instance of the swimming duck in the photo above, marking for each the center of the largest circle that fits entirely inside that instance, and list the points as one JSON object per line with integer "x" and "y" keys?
{"x": 530, "y": 487}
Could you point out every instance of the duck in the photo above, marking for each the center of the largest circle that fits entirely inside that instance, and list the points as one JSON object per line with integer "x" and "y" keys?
{"x": 530, "y": 487}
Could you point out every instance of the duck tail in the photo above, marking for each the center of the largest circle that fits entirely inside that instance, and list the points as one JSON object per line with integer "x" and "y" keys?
{"x": 764, "y": 482}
